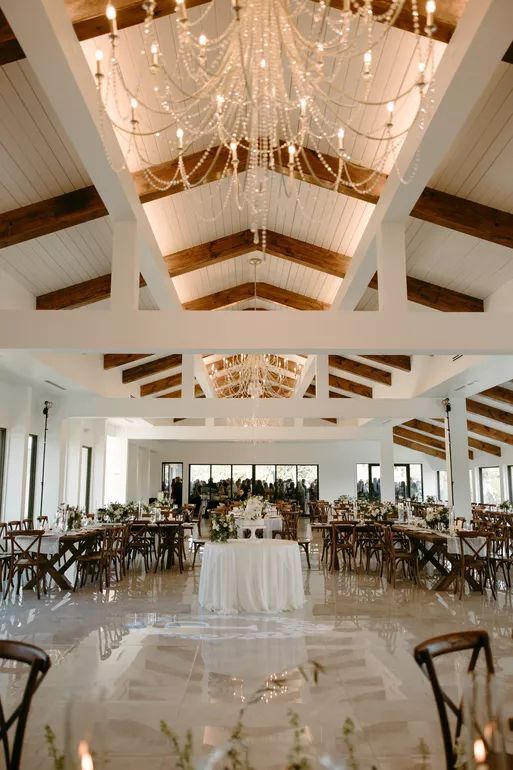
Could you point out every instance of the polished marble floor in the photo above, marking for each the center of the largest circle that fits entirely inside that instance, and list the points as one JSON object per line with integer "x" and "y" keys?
{"x": 144, "y": 651}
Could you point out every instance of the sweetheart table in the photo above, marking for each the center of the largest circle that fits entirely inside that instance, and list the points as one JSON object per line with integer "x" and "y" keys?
{"x": 251, "y": 576}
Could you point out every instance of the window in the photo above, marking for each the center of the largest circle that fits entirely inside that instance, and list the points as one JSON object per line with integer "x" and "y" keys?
{"x": 490, "y": 485}
{"x": 510, "y": 482}
{"x": 408, "y": 481}
{"x": 368, "y": 481}
{"x": 3, "y": 442}
{"x": 274, "y": 482}
{"x": 172, "y": 481}
{"x": 441, "y": 484}
{"x": 86, "y": 472}
{"x": 30, "y": 478}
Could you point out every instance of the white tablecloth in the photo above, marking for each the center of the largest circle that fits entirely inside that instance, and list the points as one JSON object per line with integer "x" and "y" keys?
{"x": 251, "y": 576}
{"x": 270, "y": 524}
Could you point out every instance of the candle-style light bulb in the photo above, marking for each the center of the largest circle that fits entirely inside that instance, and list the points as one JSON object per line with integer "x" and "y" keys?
{"x": 154, "y": 50}
{"x": 179, "y": 136}
{"x": 99, "y": 59}
{"x": 341, "y": 134}
{"x": 430, "y": 14}
{"x": 233, "y": 148}
{"x": 110, "y": 13}
{"x": 367, "y": 61}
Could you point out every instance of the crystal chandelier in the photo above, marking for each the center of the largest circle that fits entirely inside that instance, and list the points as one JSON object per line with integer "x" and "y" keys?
{"x": 286, "y": 85}
{"x": 255, "y": 375}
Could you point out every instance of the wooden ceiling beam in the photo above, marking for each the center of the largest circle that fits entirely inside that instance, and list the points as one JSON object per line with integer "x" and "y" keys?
{"x": 426, "y": 427}
{"x": 499, "y": 393}
{"x": 165, "y": 383}
{"x": 491, "y": 412}
{"x": 151, "y": 367}
{"x": 113, "y": 360}
{"x": 341, "y": 383}
{"x": 473, "y": 443}
{"x": 419, "y": 438}
{"x": 361, "y": 370}
{"x": 244, "y": 291}
{"x": 489, "y": 432}
{"x": 396, "y": 362}
{"x": 437, "y": 297}
{"x": 419, "y": 447}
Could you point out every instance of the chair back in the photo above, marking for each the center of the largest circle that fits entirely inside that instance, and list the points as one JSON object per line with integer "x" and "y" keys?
{"x": 39, "y": 662}
{"x": 27, "y": 524}
{"x": 472, "y": 545}
{"x": 14, "y": 525}
{"x": 289, "y": 525}
{"x": 425, "y": 655}
{"x": 4, "y": 543}
{"x": 26, "y": 544}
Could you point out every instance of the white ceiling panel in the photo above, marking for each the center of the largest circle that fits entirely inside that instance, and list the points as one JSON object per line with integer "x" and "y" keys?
{"x": 36, "y": 159}
{"x": 61, "y": 259}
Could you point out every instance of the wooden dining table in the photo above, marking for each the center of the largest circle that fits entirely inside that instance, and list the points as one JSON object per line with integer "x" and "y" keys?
{"x": 71, "y": 545}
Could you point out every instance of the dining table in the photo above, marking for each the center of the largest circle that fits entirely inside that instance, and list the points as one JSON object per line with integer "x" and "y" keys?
{"x": 60, "y": 551}
{"x": 251, "y": 575}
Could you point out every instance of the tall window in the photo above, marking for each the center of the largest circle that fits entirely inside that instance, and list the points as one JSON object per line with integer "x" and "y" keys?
{"x": 510, "y": 481}
{"x": 274, "y": 482}
{"x": 30, "y": 478}
{"x": 172, "y": 481}
{"x": 86, "y": 473}
{"x": 442, "y": 488}
{"x": 3, "y": 442}
{"x": 368, "y": 481}
{"x": 408, "y": 481}
{"x": 490, "y": 485}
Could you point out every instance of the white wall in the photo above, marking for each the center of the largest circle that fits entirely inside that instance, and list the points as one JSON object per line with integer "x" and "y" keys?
{"x": 336, "y": 459}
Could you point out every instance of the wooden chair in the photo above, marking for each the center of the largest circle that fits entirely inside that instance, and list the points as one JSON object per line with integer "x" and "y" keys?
{"x": 344, "y": 543}
{"x": 14, "y": 526}
{"x": 26, "y": 524}
{"x": 39, "y": 663}
{"x": 425, "y": 655}
{"x": 26, "y": 557}
{"x": 5, "y": 551}
{"x": 42, "y": 522}
{"x": 169, "y": 545}
{"x": 140, "y": 542}
{"x": 399, "y": 553}
{"x": 290, "y": 532}
{"x": 473, "y": 561}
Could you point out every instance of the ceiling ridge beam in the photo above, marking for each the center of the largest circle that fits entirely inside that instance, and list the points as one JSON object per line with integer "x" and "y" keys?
{"x": 244, "y": 291}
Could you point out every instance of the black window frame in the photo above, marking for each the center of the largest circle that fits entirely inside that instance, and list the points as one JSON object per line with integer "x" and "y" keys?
{"x": 31, "y": 470}
{"x": 253, "y": 467}
{"x": 89, "y": 475}
{"x": 3, "y": 456}
{"x": 163, "y": 465}
{"x": 481, "y": 469}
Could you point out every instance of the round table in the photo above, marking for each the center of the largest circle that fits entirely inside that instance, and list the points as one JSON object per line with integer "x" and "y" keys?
{"x": 251, "y": 576}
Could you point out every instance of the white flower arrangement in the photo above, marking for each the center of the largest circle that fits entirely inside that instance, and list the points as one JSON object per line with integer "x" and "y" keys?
{"x": 222, "y": 527}
{"x": 438, "y": 519}
{"x": 253, "y": 508}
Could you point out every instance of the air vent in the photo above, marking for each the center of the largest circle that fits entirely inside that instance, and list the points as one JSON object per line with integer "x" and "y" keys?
{"x": 60, "y": 387}
{"x": 455, "y": 358}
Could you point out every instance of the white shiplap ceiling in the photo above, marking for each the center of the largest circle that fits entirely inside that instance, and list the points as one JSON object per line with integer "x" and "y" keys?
{"x": 36, "y": 159}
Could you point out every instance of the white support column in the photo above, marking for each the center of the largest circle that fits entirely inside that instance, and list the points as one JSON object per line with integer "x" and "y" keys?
{"x": 391, "y": 262}
{"x": 124, "y": 283}
{"x": 458, "y": 479}
{"x": 387, "y": 468}
{"x": 322, "y": 389}
{"x": 188, "y": 377}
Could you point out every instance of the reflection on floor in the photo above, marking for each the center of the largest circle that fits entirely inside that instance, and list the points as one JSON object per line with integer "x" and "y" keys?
{"x": 144, "y": 651}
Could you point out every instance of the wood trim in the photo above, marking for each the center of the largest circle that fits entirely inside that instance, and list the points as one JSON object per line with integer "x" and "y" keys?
{"x": 360, "y": 369}
{"x": 205, "y": 254}
{"x": 396, "y": 362}
{"x": 113, "y": 360}
{"x": 165, "y": 383}
{"x": 243, "y": 291}
{"x": 499, "y": 393}
{"x": 484, "y": 410}
{"x": 489, "y": 432}
{"x": 151, "y": 367}
{"x": 79, "y": 294}
{"x": 437, "y": 297}
{"x": 484, "y": 446}
{"x": 350, "y": 386}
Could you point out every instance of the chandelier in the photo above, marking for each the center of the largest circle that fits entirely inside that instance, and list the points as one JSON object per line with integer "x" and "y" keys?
{"x": 255, "y": 375}
{"x": 286, "y": 86}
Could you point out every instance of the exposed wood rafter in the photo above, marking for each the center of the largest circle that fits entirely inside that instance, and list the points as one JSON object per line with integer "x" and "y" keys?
{"x": 151, "y": 367}
{"x": 244, "y": 291}
{"x": 357, "y": 388}
{"x": 360, "y": 369}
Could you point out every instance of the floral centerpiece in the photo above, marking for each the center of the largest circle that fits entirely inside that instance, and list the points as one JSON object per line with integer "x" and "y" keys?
{"x": 389, "y": 510}
{"x": 222, "y": 527}
{"x": 253, "y": 508}
{"x": 68, "y": 517}
{"x": 117, "y": 513}
{"x": 438, "y": 518}
{"x": 370, "y": 510}
{"x": 506, "y": 505}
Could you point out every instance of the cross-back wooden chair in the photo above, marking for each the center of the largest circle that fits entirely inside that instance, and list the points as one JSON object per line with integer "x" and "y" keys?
{"x": 290, "y": 521}
{"x": 473, "y": 561}
{"x": 15, "y": 723}
{"x": 425, "y": 654}
{"x": 26, "y": 557}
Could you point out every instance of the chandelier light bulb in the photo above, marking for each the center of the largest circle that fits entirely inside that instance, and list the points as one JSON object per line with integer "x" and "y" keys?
{"x": 133, "y": 103}
{"x": 292, "y": 150}
{"x": 99, "y": 54}
{"x": 302, "y": 105}
{"x": 110, "y": 13}
{"x": 154, "y": 55}
{"x": 430, "y": 13}
{"x": 367, "y": 61}
{"x": 263, "y": 63}
{"x": 99, "y": 59}
{"x": 179, "y": 136}
{"x": 390, "y": 107}
{"x": 341, "y": 134}
{"x": 202, "y": 40}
